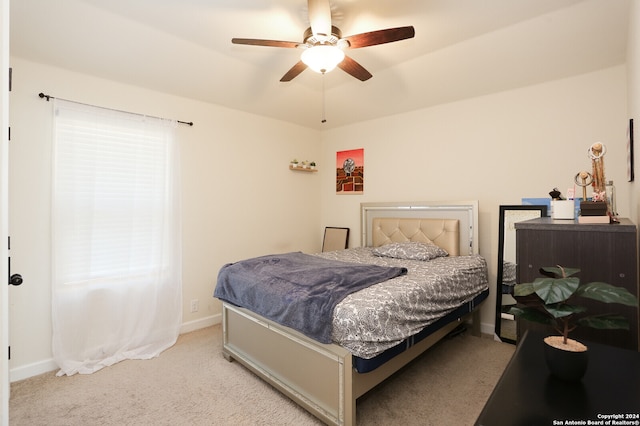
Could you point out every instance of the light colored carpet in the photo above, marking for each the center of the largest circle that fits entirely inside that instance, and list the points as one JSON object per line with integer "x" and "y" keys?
{"x": 192, "y": 384}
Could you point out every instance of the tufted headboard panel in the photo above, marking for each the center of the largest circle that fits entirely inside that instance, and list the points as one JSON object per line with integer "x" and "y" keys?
{"x": 399, "y": 219}
{"x": 443, "y": 232}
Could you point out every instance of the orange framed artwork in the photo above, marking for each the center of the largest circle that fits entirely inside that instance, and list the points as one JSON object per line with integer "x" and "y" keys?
{"x": 350, "y": 171}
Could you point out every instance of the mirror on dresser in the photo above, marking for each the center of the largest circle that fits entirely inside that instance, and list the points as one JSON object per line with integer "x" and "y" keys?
{"x": 505, "y": 325}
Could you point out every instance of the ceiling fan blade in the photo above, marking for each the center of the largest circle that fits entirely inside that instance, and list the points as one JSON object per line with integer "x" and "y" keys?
{"x": 270, "y": 43}
{"x": 350, "y": 66}
{"x": 380, "y": 37}
{"x": 320, "y": 17}
{"x": 294, "y": 71}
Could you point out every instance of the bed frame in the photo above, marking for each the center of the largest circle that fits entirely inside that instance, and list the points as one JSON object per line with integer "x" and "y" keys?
{"x": 320, "y": 377}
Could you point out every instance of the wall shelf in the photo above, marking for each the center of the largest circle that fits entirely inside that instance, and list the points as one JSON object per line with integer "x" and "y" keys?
{"x": 301, "y": 169}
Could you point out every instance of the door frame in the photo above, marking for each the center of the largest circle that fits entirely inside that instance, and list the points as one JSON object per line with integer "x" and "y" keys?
{"x": 4, "y": 212}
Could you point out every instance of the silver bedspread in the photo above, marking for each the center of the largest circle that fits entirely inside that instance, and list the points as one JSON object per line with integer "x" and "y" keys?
{"x": 377, "y": 318}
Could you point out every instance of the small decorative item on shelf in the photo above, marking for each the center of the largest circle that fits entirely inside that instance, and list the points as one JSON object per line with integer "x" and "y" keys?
{"x": 561, "y": 208}
{"x": 611, "y": 197}
{"x": 304, "y": 166}
{"x": 599, "y": 209}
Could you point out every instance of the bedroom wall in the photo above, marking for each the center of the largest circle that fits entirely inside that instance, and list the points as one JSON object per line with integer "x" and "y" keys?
{"x": 496, "y": 149}
{"x": 241, "y": 200}
{"x": 239, "y": 197}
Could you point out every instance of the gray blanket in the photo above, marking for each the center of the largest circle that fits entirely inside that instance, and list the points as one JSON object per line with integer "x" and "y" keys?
{"x": 297, "y": 290}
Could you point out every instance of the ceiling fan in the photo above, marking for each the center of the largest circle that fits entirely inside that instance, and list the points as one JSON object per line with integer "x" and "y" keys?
{"x": 324, "y": 45}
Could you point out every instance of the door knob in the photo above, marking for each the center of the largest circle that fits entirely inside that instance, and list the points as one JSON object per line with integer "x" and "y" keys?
{"x": 16, "y": 279}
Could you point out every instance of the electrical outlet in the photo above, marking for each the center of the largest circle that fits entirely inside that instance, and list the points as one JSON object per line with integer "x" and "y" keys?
{"x": 194, "y": 305}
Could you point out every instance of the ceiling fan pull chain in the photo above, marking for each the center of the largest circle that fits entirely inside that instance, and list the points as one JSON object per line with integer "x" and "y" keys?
{"x": 324, "y": 119}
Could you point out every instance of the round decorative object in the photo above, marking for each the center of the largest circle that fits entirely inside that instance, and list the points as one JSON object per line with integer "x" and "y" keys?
{"x": 597, "y": 151}
{"x": 583, "y": 179}
{"x": 568, "y": 364}
{"x": 349, "y": 165}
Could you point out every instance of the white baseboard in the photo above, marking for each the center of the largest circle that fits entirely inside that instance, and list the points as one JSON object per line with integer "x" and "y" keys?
{"x": 487, "y": 328}
{"x": 34, "y": 369}
{"x": 48, "y": 365}
{"x": 200, "y": 323}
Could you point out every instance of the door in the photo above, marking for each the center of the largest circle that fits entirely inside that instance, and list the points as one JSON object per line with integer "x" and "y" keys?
{"x": 4, "y": 211}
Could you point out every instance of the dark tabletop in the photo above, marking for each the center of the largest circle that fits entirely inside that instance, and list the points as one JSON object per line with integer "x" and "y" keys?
{"x": 526, "y": 394}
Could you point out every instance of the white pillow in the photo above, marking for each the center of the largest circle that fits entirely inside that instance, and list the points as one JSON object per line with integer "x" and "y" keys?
{"x": 410, "y": 250}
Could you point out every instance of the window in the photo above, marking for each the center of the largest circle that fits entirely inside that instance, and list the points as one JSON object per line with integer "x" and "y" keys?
{"x": 116, "y": 236}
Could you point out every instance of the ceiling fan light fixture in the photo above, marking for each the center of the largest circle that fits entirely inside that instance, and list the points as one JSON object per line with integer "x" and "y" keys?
{"x": 322, "y": 58}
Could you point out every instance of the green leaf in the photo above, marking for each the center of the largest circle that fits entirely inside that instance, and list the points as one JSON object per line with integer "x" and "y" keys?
{"x": 523, "y": 289}
{"x": 607, "y": 293}
{"x": 530, "y": 314}
{"x": 558, "y": 271}
{"x": 560, "y": 310}
{"x": 605, "y": 322}
{"x": 555, "y": 290}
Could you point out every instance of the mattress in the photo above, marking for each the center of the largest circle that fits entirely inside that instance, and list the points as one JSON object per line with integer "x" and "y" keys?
{"x": 362, "y": 365}
{"x": 385, "y": 315}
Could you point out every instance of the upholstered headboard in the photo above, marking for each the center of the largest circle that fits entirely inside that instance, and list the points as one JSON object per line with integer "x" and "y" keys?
{"x": 440, "y": 222}
{"x": 443, "y": 232}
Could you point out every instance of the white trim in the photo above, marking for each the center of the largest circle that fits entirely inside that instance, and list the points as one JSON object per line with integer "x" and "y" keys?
{"x": 487, "y": 329}
{"x": 49, "y": 365}
{"x": 31, "y": 370}
{"x": 4, "y": 212}
{"x": 190, "y": 326}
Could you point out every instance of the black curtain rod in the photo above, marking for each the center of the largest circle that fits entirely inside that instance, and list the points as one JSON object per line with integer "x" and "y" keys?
{"x": 48, "y": 97}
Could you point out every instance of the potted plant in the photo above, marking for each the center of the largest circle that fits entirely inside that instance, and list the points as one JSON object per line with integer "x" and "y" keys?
{"x": 312, "y": 164}
{"x": 294, "y": 163}
{"x": 551, "y": 300}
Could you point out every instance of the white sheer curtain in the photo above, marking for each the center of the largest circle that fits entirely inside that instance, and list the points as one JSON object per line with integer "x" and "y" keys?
{"x": 117, "y": 291}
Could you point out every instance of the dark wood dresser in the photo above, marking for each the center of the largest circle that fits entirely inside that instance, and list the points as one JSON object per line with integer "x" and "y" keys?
{"x": 602, "y": 252}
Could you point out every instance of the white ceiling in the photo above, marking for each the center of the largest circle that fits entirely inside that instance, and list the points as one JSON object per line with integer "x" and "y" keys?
{"x": 462, "y": 49}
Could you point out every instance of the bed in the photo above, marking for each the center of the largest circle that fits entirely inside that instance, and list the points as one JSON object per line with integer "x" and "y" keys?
{"x": 327, "y": 378}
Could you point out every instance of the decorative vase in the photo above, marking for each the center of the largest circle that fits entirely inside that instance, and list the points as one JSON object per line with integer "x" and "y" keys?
{"x": 568, "y": 361}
